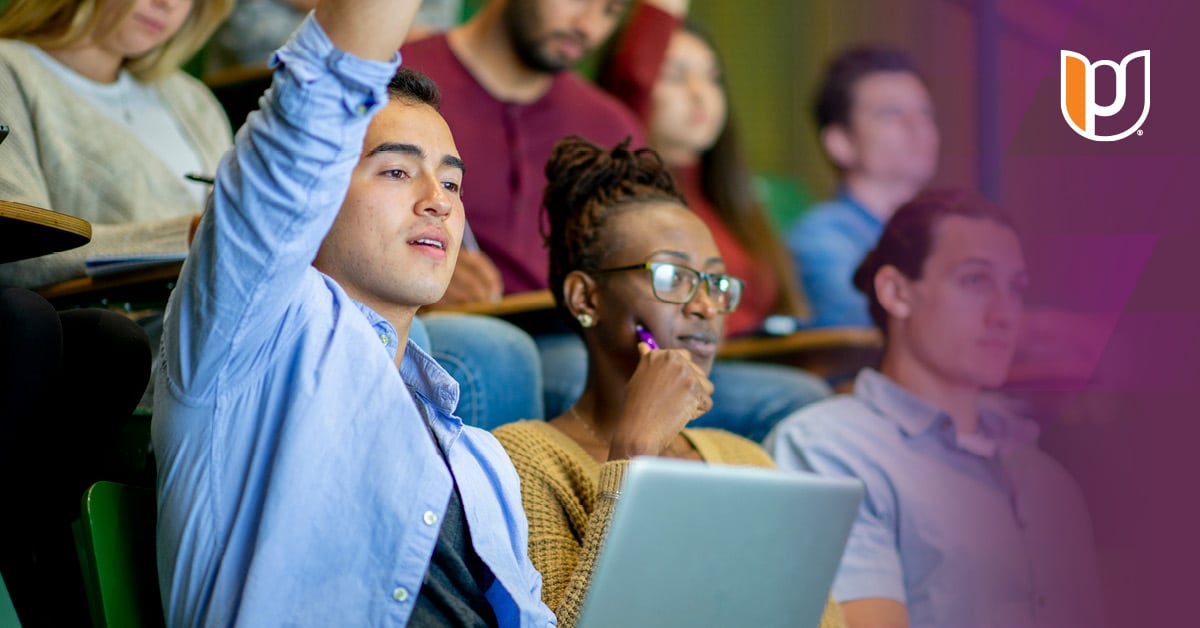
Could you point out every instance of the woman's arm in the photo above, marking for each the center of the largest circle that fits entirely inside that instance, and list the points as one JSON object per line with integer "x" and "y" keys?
{"x": 612, "y": 475}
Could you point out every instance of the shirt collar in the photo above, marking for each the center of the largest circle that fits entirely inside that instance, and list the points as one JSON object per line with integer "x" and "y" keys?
{"x": 420, "y": 371}
{"x": 845, "y": 197}
{"x": 915, "y": 416}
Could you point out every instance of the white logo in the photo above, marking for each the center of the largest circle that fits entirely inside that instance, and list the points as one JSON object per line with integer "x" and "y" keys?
{"x": 1078, "y": 89}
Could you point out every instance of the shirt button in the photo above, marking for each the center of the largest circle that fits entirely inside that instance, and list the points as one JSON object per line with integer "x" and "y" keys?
{"x": 384, "y": 339}
{"x": 360, "y": 110}
{"x": 400, "y": 594}
{"x": 429, "y": 518}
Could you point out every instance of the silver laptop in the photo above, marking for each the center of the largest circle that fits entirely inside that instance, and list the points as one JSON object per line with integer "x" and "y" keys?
{"x": 713, "y": 545}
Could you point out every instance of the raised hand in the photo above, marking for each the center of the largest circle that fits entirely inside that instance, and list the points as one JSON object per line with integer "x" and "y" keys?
{"x": 369, "y": 29}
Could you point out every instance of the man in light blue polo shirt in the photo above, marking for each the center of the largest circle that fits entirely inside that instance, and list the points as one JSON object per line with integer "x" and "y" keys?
{"x": 311, "y": 469}
{"x": 966, "y": 522}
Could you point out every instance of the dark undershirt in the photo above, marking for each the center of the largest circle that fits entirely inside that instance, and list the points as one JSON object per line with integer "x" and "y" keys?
{"x": 453, "y": 592}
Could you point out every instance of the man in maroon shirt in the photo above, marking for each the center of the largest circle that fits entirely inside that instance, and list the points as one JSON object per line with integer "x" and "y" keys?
{"x": 508, "y": 95}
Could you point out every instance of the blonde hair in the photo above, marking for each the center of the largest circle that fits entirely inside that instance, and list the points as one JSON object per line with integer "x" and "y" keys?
{"x": 61, "y": 23}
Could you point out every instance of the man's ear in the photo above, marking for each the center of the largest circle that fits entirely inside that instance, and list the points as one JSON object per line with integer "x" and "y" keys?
{"x": 894, "y": 292}
{"x": 835, "y": 138}
{"x": 581, "y": 296}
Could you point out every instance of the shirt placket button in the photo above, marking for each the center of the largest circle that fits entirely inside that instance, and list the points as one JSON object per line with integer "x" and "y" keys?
{"x": 429, "y": 518}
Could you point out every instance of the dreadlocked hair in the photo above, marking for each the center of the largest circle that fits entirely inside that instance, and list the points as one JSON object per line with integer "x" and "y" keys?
{"x": 585, "y": 186}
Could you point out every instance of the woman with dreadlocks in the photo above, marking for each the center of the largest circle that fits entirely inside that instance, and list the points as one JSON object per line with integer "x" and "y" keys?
{"x": 639, "y": 277}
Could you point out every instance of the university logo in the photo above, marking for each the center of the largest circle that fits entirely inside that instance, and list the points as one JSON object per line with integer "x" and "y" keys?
{"x": 1078, "y": 87}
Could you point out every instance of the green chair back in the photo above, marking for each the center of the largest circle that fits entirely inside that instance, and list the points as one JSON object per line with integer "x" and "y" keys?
{"x": 784, "y": 198}
{"x": 120, "y": 570}
{"x": 8, "y": 614}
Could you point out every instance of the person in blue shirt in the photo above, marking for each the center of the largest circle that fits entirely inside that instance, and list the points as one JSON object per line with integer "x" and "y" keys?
{"x": 311, "y": 469}
{"x": 965, "y": 521}
{"x": 877, "y": 128}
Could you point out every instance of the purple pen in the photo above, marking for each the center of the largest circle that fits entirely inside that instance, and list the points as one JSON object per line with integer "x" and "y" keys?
{"x": 644, "y": 335}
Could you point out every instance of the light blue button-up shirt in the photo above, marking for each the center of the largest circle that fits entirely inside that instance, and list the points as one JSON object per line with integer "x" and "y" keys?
{"x": 966, "y": 530}
{"x": 298, "y": 483}
{"x": 828, "y": 243}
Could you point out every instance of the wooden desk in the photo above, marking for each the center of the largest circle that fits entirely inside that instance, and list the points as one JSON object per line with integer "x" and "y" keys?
{"x": 809, "y": 340}
{"x": 27, "y": 231}
{"x": 520, "y": 303}
{"x": 149, "y": 285}
{"x": 835, "y": 353}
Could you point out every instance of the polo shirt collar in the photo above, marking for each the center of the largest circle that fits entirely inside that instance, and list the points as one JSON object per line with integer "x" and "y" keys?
{"x": 915, "y": 416}
{"x": 844, "y": 196}
{"x": 892, "y": 401}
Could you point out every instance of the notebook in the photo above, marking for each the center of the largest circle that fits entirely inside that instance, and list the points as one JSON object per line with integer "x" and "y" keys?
{"x": 693, "y": 544}
{"x": 103, "y": 265}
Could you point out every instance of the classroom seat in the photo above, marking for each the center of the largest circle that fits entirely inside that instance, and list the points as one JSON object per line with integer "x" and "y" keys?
{"x": 784, "y": 198}
{"x": 117, "y": 554}
{"x": 8, "y": 614}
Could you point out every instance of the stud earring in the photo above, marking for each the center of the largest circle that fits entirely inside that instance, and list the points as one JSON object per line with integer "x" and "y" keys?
{"x": 585, "y": 320}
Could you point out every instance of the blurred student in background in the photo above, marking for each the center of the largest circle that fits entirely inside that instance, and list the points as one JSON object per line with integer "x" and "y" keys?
{"x": 877, "y": 128}
{"x": 105, "y": 125}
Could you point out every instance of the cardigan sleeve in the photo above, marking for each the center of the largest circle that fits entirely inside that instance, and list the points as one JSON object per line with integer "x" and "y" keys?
{"x": 568, "y": 521}
{"x": 638, "y": 57}
{"x": 612, "y": 476}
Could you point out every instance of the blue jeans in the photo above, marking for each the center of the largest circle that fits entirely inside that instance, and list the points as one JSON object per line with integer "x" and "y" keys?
{"x": 749, "y": 398}
{"x": 495, "y": 363}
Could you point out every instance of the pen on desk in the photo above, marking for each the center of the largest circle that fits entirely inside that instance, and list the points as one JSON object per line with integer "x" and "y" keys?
{"x": 199, "y": 178}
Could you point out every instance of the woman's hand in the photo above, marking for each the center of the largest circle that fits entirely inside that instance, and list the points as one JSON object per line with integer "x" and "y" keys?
{"x": 667, "y": 391}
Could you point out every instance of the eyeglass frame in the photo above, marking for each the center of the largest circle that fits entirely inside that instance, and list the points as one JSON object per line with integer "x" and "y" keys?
{"x": 707, "y": 279}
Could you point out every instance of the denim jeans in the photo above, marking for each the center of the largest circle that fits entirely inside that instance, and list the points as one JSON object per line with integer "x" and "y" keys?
{"x": 495, "y": 363}
{"x": 749, "y": 398}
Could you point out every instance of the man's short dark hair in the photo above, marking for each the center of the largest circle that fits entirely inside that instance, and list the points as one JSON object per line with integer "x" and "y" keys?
{"x": 835, "y": 98}
{"x": 411, "y": 86}
{"x": 908, "y": 238}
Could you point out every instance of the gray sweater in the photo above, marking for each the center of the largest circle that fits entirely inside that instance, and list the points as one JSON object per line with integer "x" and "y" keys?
{"x": 65, "y": 155}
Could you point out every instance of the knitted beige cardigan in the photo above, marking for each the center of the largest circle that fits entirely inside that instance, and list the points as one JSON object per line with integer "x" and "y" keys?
{"x": 560, "y": 483}
{"x": 65, "y": 154}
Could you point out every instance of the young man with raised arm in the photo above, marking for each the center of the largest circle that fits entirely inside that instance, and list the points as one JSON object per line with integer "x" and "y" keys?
{"x": 311, "y": 469}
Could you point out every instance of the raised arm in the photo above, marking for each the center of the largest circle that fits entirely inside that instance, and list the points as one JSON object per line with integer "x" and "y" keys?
{"x": 369, "y": 29}
{"x": 280, "y": 188}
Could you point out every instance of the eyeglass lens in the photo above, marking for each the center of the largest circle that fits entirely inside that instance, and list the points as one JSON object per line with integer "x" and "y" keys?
{"x": 678, "y": 284}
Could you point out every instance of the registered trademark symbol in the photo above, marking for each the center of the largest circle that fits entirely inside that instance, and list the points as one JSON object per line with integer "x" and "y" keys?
{"x": 1140, "y": 132}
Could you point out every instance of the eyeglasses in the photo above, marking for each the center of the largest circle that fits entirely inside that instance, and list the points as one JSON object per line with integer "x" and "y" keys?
{"x": 673, "y": 283}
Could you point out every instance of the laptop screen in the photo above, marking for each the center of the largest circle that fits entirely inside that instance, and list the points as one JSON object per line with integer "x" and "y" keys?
{"x": 694, "y": 544}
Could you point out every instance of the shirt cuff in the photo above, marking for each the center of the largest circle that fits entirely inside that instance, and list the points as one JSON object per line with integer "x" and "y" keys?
{"x": 865, "y": 585}
{"x": 309, "y": 55}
